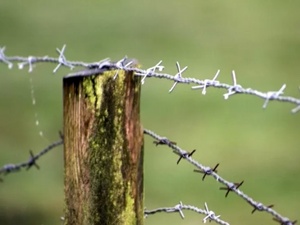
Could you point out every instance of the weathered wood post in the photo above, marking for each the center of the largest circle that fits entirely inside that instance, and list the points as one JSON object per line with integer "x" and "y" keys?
{"x": 103, "y": 149}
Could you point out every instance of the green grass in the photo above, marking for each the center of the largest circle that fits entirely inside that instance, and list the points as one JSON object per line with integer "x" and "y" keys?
{"x": 259, "y": 40}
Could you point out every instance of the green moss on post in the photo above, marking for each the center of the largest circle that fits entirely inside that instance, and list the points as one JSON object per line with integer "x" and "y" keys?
{"x": 103, "y": 150}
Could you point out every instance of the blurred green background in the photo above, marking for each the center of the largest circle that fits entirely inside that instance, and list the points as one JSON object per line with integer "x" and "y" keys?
{"x": 258, "y": 39}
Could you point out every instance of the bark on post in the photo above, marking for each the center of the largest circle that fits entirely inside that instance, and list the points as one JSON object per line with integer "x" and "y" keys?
{"x": 103, "y": 150}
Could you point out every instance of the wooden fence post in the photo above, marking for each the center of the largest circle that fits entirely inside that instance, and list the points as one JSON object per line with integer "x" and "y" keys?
{"x": 103, "y": 149}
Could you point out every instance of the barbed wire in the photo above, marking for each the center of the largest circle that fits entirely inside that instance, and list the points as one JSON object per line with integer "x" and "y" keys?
{"x": 207, "y": 171}
{"x": 210, "y": 215}
{"x": 155, "y": 72}
{"x": 10, "y": 168}
{"x": 129, "y": 65}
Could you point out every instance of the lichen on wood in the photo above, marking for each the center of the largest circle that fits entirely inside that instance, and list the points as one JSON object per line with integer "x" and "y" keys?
{"x": 103, "y": 149}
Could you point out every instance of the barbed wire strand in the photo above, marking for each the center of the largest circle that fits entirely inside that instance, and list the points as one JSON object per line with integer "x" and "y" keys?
{"x": 210, "y": 215}
{"x": 229, "y": 186}
{"x": 129, "y": 65}
{"x": 9, "y": 168}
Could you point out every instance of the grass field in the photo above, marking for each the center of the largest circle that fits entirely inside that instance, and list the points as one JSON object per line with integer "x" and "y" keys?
{"x": 259, "y": 40}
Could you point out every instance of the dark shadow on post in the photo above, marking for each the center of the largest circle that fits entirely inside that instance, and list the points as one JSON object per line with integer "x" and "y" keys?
{"x": 103, "y": 149}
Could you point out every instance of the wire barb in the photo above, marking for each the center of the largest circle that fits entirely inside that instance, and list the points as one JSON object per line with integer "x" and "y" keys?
{"x": 179, "y": 209}
{"x": 231, "y": 187}
{"x": 184, "y": 155}
{"x": 9, "y": 168}
{"x": 151, "y": 70}
{"x": 208, "y": 83}
{"x": 271, "y": 95}
{"x": 32, "y": 161}
{"x": 164, "y": 141}
{"x": 210, "y": 215}
{"x": 260, "y": 207}
{"x": 178, "y": 76}
{"x": 62, "y": 59}
{"x": 119, "y": 65}
{"x": 207, "y": 171}
{"x": 286, "y": 221}
{"x": 235, "y": 88}
{"x": 30, "y": 61}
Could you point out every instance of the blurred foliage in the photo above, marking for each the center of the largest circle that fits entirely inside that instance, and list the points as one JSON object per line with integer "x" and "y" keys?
{"x": 258, "y": 39}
